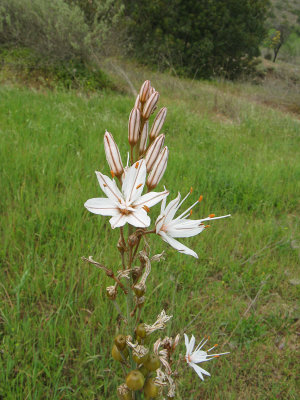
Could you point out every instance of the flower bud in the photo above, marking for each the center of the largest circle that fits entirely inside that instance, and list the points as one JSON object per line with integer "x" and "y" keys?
{"x": 158, "y": 169}
{"x": 138, "y": 103}
{"x": 150, "y": 105}
{"x": 158, "y": 123}
{"x": 134, "y": 126}
{"x": 154, "y": 151}
{"x": 145, "y": 91}
{"x": 144, "y": 138}
{"x": 113, "y": 156}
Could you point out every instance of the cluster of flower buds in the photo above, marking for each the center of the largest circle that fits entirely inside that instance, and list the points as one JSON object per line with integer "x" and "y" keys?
{"x": 148, "y": 145}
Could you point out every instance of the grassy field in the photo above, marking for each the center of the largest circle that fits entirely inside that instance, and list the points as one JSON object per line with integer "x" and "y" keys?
{"x": 56, "y": 325}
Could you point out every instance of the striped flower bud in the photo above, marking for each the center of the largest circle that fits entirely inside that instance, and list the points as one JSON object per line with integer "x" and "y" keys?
{"x": 150, "y": 105}
{"x": 134, "y": 126}
{"x": 138, "y": 103}
{"x": 158, "y": 123}
{"x": 144, "y": 138}
{"x": 145, "y": 91}
{"x": 158, "y": 169}
{"x": 113, "y": 156}
{"x": 154, "y": 151}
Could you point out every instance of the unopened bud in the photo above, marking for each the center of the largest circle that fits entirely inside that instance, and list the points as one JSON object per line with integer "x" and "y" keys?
{"x": 112, "y": 153}
{"x": 134, "y": 126}
{"x": 145, "y": 91}
{"x": 158, "y": 169}
{"x": 144, "y": 138}
{"x": 158, "y": 123}
{"x": 154, "y": 151}
{"x": 150, "y": 105}
{"x": 138, "y": 103}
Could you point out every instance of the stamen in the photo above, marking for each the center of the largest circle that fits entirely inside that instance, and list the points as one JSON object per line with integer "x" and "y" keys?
{"x": 191, "y": 190}
{"x": 138, "y": 186}
{"x": 112, "y": 173}
{"x": 200, "y": 198}
{"x": 147, "y": 209}
{"x": 191, "y": 212}
{"x": 137, "y": 165}
{"x": 187, "y": 211}
{"x": 179, "y": 205}
{"x": 212, "y": 348}
{"x": 212, "y": 215}
{"x": 104, "y": 184}
{"x": 207, "y": 226}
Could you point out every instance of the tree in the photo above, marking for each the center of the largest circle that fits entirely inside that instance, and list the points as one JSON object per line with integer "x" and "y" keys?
{"x": 201, "y": 38}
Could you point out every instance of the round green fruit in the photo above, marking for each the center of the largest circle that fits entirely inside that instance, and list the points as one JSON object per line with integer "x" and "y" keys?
{"x": 135, "y": 380}
{"x": 152, "y": 362}
{"x": 117, "y": 354}
{"x": 151, "y": 390}
{"x": 141, "y": 331}
{"x": 120, "y": 342}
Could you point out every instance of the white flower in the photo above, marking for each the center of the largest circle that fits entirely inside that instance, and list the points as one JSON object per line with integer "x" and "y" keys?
{"x": 169, "y": 228}
{"x": 198, "y": 356}
{"x": 129, "y": 205}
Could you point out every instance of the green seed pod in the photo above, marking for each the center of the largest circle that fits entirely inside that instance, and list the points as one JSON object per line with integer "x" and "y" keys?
{"x": 119, "y": 355}
{"x": 151, "y": 390}
{"x": 152, "y": 363}
{"x": 120, "y": 342}
{"x": 139, "y": 290}
{"x": 144, "y": 371}
{"x": 141, "y": 331}
{"x": 135, "y": 380}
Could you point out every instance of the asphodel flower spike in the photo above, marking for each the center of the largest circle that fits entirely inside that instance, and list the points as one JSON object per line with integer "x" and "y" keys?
{"x": 150, "y": 105}
{"x": 113, "y": 156}
{"x": 197, "y": 356}
{"x": 169, "y": 228}
{"x": 154, "y": 151}
{"x": 144, "y": 138}
{"x": 128, "y": 206}
{"x": 158, "y": 123}
{"x": 158, "y": 169}
{"x": 134, "y": 124}
{"x": 145, "y": 91}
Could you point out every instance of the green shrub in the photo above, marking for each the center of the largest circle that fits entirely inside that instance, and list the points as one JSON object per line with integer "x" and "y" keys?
{"x": 202, "y": 38}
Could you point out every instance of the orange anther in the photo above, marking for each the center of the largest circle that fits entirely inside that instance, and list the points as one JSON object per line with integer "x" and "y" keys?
{"x": 207, "y": 226}
{"x": 212, "y": 215}
{"x": 191, "y": 212}
{"x": 138, "y": 186}
{"x": 191, "y": 190}
{"x": 216, "y": 345}
{"x": 112, "y": 173}
{"x": 137, "y": 165}
{"x": 200, "y": 198}
{"x": 147, "y": 209}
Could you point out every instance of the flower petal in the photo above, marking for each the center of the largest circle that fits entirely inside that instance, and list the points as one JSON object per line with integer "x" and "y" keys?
{"x": 199, "y": 370}
{"x": 101, "y": 206}
{"x": 171, "y": 209}
{"x": 186, "y": 341}
{"x": 118, "y": 220}
{"x": 139, "y": 218}
{"x": 109, "y": 187}
{"x": 184, "y": 228}
{"x": 177, "y": 245}
{"x": 134, "y": 181}
{"x": 150, "y": 199}
{"x": 192, "y": 344}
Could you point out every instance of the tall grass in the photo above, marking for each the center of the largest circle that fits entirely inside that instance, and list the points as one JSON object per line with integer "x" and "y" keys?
{"x": 56, "y": 323}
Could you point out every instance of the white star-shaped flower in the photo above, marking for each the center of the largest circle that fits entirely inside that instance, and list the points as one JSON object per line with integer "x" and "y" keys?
{"x": 197, "y": 356}
{"x": 128, "y": 205}
{"x": 169, "y": 228}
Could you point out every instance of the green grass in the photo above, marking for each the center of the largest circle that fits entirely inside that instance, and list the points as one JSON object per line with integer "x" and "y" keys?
{"x": 56, "y": 323}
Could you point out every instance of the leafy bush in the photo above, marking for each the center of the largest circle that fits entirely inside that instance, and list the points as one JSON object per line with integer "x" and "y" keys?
{"x": 200, "y": 38}
{"x": 58, "y": 30}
